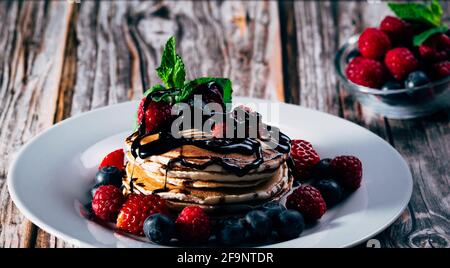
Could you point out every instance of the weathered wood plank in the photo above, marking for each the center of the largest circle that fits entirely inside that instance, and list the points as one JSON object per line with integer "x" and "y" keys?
{"x": 106, "y": 72}
{"x": 425, "y": 144}
{"x": 31, "y": 58}
{"x": 232, "y": 39}
{"x": 289, "y": 52}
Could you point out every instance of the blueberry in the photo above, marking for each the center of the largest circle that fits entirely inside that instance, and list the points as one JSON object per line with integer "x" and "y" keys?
{"x": 258, "y": 224}
{"x": 290, "y": 224}
{"x": 331, "y": 191}
{"x": 231, "y": 232}
{"x": 88, "y": 212}
{"x": 394, "y": 98}
{"x": 159, "y": 228}
{"x": 94, "y": 189}
{"x": 353, "y": 54}
{"x": 416, "y": 79}
{"x": 392, "y": 85}
{"x": 272, "y": 209}
{"x": 322, "y": 169}
{"x": 109, "y": 175}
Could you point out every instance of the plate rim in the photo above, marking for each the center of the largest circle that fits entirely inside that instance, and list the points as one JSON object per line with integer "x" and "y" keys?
{"x": 73, "y": 240}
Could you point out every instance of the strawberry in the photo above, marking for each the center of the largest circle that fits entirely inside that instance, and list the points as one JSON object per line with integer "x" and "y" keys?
{"x": 114, "y": 158}
{"x": 157, "y": 115}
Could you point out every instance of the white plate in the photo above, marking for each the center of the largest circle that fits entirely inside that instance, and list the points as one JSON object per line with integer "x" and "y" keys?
{"x": 51, "y": 175}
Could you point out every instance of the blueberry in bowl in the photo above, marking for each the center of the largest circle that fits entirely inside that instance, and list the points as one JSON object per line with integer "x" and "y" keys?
{"x": 393, "y": 85}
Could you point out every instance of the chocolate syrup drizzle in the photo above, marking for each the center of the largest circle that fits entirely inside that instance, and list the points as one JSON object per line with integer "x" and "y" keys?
{"x": 166, "y": 142}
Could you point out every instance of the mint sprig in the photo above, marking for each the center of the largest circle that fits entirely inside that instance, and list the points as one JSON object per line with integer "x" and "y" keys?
{"x": 224, "y": 83}
{"x": 422, "y": 37}
{"x": 171, "y": 71}
{"x": 429, "y": 14}
{"x": 173, "y": 74}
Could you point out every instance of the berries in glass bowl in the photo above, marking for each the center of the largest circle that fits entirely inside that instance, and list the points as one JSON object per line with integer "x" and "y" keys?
{"x": 397, "y": 70}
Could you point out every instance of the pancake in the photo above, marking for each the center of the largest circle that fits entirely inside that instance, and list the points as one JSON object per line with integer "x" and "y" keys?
{"x": 218, "y": 181}
{"x": 234, "y": 207}
{"x": 272, "y": 159}
{"x": 265, "y": 190}
{"x": 177, "y": 175}
{"x": 158, "y": 179}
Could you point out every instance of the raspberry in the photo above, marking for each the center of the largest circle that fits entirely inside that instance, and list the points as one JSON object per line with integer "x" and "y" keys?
{"x": 304, "y": 157}
{"x": 193, "y": 225}
{"x": 219, "y": 130}
{"x": 210, "y": 92}
{"x": 436, "y": 48}
{"x": 399, "y": 31}
{"x": 373, "y": 43}
{"x": 348, "y": 170}
{"x": 157, "y": 115}
{"x": 401, "y": 62}
{"x": 440, "y": 70}
{"x": 114, "y": 158}
{"x": 107, "y": 202}
{"x": 366, "y": 72}
{"x": 308, "y": 201}
{"x": 136, "y": 209}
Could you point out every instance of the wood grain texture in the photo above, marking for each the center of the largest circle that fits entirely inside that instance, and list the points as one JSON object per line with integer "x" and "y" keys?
{"x": 31, "y": 58}
{"x": 232, "y": 39}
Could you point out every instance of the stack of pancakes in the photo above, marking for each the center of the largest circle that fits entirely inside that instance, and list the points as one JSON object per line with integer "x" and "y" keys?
{"x": 213, "y": 188}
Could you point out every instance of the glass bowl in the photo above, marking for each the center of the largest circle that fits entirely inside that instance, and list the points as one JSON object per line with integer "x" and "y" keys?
{"x": 396, "y": 104}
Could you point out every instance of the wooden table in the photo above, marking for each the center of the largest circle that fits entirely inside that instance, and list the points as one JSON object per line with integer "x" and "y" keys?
{"x": 61, "y": 58}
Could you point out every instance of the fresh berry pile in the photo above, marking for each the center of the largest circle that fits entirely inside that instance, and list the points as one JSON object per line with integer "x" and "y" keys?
{"x": 331, "y": 180}
{"x": 149, "y": 215}
{"x": 403, "y": 52}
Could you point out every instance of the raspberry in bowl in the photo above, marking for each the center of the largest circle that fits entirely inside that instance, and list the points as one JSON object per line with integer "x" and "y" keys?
{"x": 395, "y": 70}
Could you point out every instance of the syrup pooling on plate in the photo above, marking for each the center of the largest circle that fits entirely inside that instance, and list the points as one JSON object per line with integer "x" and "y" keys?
{"x": 164, "y": 142}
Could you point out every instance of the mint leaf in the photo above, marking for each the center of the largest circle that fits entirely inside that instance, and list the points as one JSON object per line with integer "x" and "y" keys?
{"x": 420, "y": 38}
{"x": 153, "y": 89}
{"x": 171, "y": 70}
{"x": 429, "y": 14}
{"x": 224, "y": 83}
{"x": 436, "y": 8}
{"x": 179, "y": 74}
